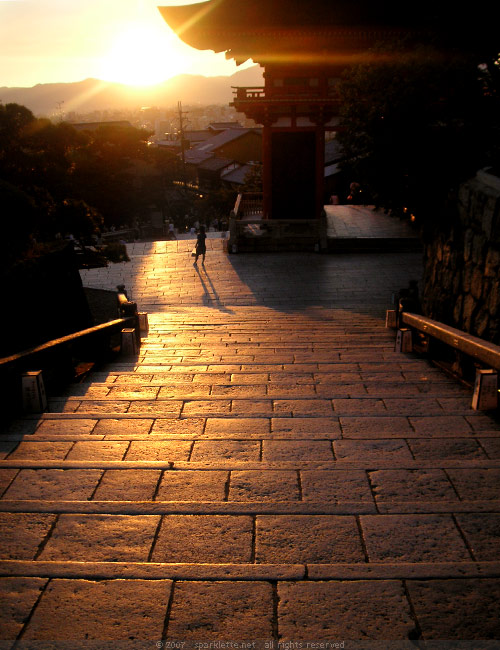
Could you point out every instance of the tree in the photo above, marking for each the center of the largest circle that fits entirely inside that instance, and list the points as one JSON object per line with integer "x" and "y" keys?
{"x": 415, "y": 125}
{"x": 18, "y": 219}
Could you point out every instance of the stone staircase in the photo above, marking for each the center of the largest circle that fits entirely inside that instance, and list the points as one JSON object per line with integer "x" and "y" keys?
{"x": 255, "y": 474}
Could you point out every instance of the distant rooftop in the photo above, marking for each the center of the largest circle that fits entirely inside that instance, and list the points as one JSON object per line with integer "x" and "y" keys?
{"x": 93, "y": 126}
{"x": 223, "y": 138}
{"x": 221, "y": 126}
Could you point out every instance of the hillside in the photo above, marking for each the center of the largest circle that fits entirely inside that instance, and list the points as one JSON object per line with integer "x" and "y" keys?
{"x": 93, "y": 94}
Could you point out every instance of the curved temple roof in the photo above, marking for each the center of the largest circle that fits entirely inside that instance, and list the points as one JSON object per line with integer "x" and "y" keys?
{"x": 262, "y": 28}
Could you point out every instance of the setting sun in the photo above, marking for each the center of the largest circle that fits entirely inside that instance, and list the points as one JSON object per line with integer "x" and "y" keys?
{"x": 142, "y": 54}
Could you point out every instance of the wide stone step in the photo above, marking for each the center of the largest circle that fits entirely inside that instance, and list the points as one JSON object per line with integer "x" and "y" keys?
{"x": 361, "y": 542}
{"x": 252, "y": 572}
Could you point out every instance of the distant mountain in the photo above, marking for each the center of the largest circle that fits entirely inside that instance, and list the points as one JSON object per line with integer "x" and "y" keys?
{"x": 92, "y": 94}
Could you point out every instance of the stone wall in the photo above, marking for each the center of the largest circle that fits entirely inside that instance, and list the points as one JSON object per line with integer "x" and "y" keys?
{"x": 461, "y": 285}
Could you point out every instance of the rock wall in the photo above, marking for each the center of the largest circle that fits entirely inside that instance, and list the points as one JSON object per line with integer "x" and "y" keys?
{"x": 461, "y": 285}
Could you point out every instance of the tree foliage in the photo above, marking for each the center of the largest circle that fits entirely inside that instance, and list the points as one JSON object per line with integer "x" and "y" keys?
{"x": 55, "y": 180}
{"x": 414, "y": 125}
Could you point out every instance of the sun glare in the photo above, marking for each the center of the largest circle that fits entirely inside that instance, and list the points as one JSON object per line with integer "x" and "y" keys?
{"x": 141, "y": 54}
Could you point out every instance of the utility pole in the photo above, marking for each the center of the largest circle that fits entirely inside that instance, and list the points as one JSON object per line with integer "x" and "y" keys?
{"x": 183, "y": 142}
{"x": 59, "y": 108}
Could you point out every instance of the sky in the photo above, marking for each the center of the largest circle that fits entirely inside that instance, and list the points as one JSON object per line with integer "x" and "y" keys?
{"x": 53, "y": 41}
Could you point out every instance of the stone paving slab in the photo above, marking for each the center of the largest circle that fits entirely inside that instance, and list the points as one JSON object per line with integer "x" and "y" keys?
{"x": 106, "y": 610}
{"x": 18, "y": 596}
{"x": 457, "y": 609}
{"x": 344, "y": 610}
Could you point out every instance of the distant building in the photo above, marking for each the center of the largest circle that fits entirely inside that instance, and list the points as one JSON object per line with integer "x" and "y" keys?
{"x": 93, "y": 126}
{"x": 240, "y": 144}
{"x": 216, "y": 152}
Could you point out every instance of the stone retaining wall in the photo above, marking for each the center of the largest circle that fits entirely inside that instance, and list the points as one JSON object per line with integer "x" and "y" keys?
{"x": 461, "y": 285}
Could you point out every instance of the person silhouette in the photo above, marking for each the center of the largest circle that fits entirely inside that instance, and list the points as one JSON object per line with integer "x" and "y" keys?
{"x": 201, "y": 247}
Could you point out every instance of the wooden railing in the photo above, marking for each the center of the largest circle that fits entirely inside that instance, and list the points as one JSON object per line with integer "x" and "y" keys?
{"x": 61, "y": 360}
{"x": 472, "y": 346}
{"x": 298, "y": 93}
{"x": 248, "y": 205}
{"x": 475, "y": 362}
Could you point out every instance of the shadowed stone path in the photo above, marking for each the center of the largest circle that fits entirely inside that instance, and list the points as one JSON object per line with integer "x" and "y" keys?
{"x": 267, "y": 468}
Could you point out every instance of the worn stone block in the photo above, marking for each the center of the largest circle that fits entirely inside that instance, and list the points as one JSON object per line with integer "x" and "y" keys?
{"x": 482, "y": 531}
{"x": 22, "y": 534}
{"x": 412, "y": 485}
{"x": 109, "y": 610}
{"x": 303, "y": 407}
{"x": 28, "y": 450}
{"x": 245, "y": 391}
{"x": 321, "y": 427}
{"x": 127, "y": 485}
{"x": 156, "y": 408}
{"x": 206, "y": 407}
{"x": 6, "y": 478}
{"x": 482, "y": 484}
{"x": 446, "y": 448}
{"x": 96, "y": 406}
{"x": 204, "y": 539}
{"x": 413, "y": 538}
{"x": 257, "y": 407}
{"x": 335, "y": 610}
{"x": 123, "y": 427}
{"x": 366, "y": 406}
{"x": 412, "y": 406}
{"x": 491, "y": 446}
{"x": 296, "y": 450}
{"x": 101, "y": 538}
{"x": 173, "y": 427}
{"x": 184, "y": 391}
{"x": 332, "y": 486}
{"x": 97, "y": 450}
{"x": 213, "y": 611}
{"x": 54, "y": 484}
{"x": 195, "y": 485}
{"x": 371, "y": 450}
{"x": 159, "y": 450}
{"x": 255, "y": 485}
{"x": 249, "y": 378}
{"x": 457, "y": 608}
{"x": 18, "y": 597}
{"x": 321, "y": 539}
{"x": 215, "y": 450}
{"x": 281, "y": 390}
{"x": 375, "y": 427}
{"x": 237, "y": 427}
{"x": 80, "y": 427}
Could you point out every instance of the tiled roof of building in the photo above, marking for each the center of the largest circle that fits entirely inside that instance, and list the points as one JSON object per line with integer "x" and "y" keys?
{"x": 221, "y": 126}
{"x": 195, "y": 157}
{"x": 223, "y": 138}
{"x": 216, "y": 164}
{"x": 333, "y": 151}
{"x": 236, "y": 176}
